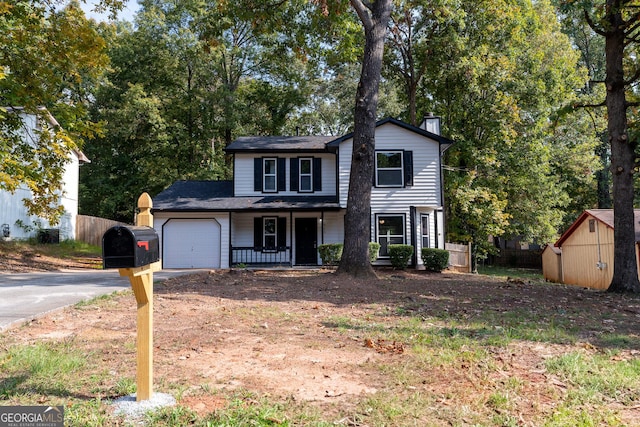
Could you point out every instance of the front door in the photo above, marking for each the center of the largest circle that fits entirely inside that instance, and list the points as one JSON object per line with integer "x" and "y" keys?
{"x": 306, "y": 241}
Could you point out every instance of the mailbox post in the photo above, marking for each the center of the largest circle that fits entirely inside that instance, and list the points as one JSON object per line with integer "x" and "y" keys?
{"x": 135, "y": 252}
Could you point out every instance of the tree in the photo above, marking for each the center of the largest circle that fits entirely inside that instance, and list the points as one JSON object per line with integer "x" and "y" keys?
{"x": 355, "y": 256}
{"x": 618, "y": 21}
{"x": 208, "y": 72}
{"x": 592, "y": 58}
{"x": 50, "y": 59}
{"x": 422, "y": 34}
{"x": 500, "y": 176}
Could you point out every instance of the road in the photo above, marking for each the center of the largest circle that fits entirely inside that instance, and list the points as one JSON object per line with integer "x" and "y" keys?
{"x": 24, "y": 296}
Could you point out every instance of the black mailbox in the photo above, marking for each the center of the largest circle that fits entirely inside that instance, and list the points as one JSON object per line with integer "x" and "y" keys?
{"x": 129, "y": 247}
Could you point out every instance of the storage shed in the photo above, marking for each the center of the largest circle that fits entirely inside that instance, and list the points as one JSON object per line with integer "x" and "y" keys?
{"x": 587, "y": 249}
{"x": 552, "y": 264}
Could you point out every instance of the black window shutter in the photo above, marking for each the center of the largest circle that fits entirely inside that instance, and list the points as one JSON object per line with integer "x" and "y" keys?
{"x": 294, "y": 170}
{"x": 408, "y": 168}
{"x": 282, "y": 233}
{"x": 282, "y": 176}
{"x": 257, "y": 234}
{"x": 375, "y": 169}
{"x": 317, "y": 174}
{"x": 257, "y": 174}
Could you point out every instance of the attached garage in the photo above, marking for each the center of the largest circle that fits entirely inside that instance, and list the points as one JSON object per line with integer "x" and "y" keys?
{"x": 191, "y": 243}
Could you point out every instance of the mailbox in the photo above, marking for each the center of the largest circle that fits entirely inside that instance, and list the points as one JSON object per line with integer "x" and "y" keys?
{"x": 129, "y": 247}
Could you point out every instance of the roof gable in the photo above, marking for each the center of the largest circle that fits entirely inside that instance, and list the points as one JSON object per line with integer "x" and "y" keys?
{"x": 604, "y": 216}
{"x": 281, "y": 144}
{"x": 389, "y": 120}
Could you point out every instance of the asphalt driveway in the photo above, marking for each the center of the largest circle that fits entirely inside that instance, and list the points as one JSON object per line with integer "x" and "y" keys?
{"x": 24, "y": 296}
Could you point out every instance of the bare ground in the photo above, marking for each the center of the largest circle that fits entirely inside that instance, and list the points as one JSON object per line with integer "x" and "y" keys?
{"x": 294, "y": 336}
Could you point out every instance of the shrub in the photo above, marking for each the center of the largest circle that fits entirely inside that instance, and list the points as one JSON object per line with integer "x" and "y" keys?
{"x": 400, "y": 255}
{"x": 374, "y": 247}
{"x": 330, "y": 253}
{"x": 435, "y": 259}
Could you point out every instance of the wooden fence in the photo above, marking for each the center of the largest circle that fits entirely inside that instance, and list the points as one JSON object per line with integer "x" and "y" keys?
{"x": 89, "y": 229}
{"x": 459, "y": 257}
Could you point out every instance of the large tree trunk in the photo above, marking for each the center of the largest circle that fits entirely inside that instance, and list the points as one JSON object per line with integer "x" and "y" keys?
{"x": 625, "y": 273}
{"x": 357, "y": 234}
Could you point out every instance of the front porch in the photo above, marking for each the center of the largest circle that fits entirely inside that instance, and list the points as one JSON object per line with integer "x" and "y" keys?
{"x": 249, "y": 256}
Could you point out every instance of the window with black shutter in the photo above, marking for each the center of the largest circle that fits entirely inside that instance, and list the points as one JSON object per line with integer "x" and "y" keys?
{"x": 305, "y": 174}
{"x": 393, "y": 169}
{"x": 269, "y": 174}
{"x": 269, "y": 234}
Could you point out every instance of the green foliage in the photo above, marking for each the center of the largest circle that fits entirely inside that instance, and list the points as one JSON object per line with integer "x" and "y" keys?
{"x": 435, "y": 259}
{"x": 330, "y": 253}
{"x": 185, "y": 82}
{"x": 400, "y": 255}
{"x": 516, "y": 168}
{"x": 374, "y": 248}
{"x": 49, "y": 58}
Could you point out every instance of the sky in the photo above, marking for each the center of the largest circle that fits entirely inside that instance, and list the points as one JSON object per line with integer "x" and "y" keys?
{"x": 126, "y": 14}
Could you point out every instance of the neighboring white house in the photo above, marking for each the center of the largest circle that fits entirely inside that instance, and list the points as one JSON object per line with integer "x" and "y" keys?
{"x": 12, "y": 209}
{"x": 289, "y": 195}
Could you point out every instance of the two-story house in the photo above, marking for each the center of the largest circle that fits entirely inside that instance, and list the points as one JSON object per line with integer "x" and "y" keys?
{"x": 15, "y": 221}
{"x": 289, "y": 195}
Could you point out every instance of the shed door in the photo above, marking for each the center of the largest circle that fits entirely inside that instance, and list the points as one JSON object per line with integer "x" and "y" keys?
{"x": 191, "y": 243}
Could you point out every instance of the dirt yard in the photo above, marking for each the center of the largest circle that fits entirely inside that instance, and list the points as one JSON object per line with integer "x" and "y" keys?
{"x": 294, "y": 335}
{"x": 291, "y": 335}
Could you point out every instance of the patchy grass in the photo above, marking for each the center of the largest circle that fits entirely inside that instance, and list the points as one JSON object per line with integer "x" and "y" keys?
{"x": 521, "y": 273}
{"x": 24, "y": 256}
{"x": 433, "y": 350}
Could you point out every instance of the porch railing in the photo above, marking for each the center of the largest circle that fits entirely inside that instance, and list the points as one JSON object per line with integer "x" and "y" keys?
{"x": 261, "y": 256}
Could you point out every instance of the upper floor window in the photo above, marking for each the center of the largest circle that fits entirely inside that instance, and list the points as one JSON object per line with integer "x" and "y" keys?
{"x": 389, "y": 170}
{"x": 306, "y": 175}
{"x": 270, "y": 175}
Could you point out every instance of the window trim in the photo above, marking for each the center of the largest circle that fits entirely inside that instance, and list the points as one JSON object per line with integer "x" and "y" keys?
{"x": 274, "y": 175}
{"x": 309, "y": 175}
{"x": 266, "y": 248}
{"x": 423, "y": 217}
{"x": 378, "y": 235}
{"x": 400, "y": 169}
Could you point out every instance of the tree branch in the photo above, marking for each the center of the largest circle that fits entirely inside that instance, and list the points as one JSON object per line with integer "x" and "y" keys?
{"x": 601, "y": 104}
{"x": 593, "y": 25}
{"x": 362, "y": 10}
{"x": 634, "y": 78}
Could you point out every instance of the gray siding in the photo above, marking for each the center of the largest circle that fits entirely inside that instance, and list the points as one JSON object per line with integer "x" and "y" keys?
{"x": 425, "y": 190}
{"x": 243, "y": 174}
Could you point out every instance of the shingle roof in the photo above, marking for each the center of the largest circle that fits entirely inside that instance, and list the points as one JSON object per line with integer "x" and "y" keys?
{"x": 279, "y": 143}
{"x": 199, "y": 196}
{"x": 274, "y": 144}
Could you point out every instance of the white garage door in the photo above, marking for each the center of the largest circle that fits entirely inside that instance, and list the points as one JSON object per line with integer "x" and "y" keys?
{"x": 191, "y": 243}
